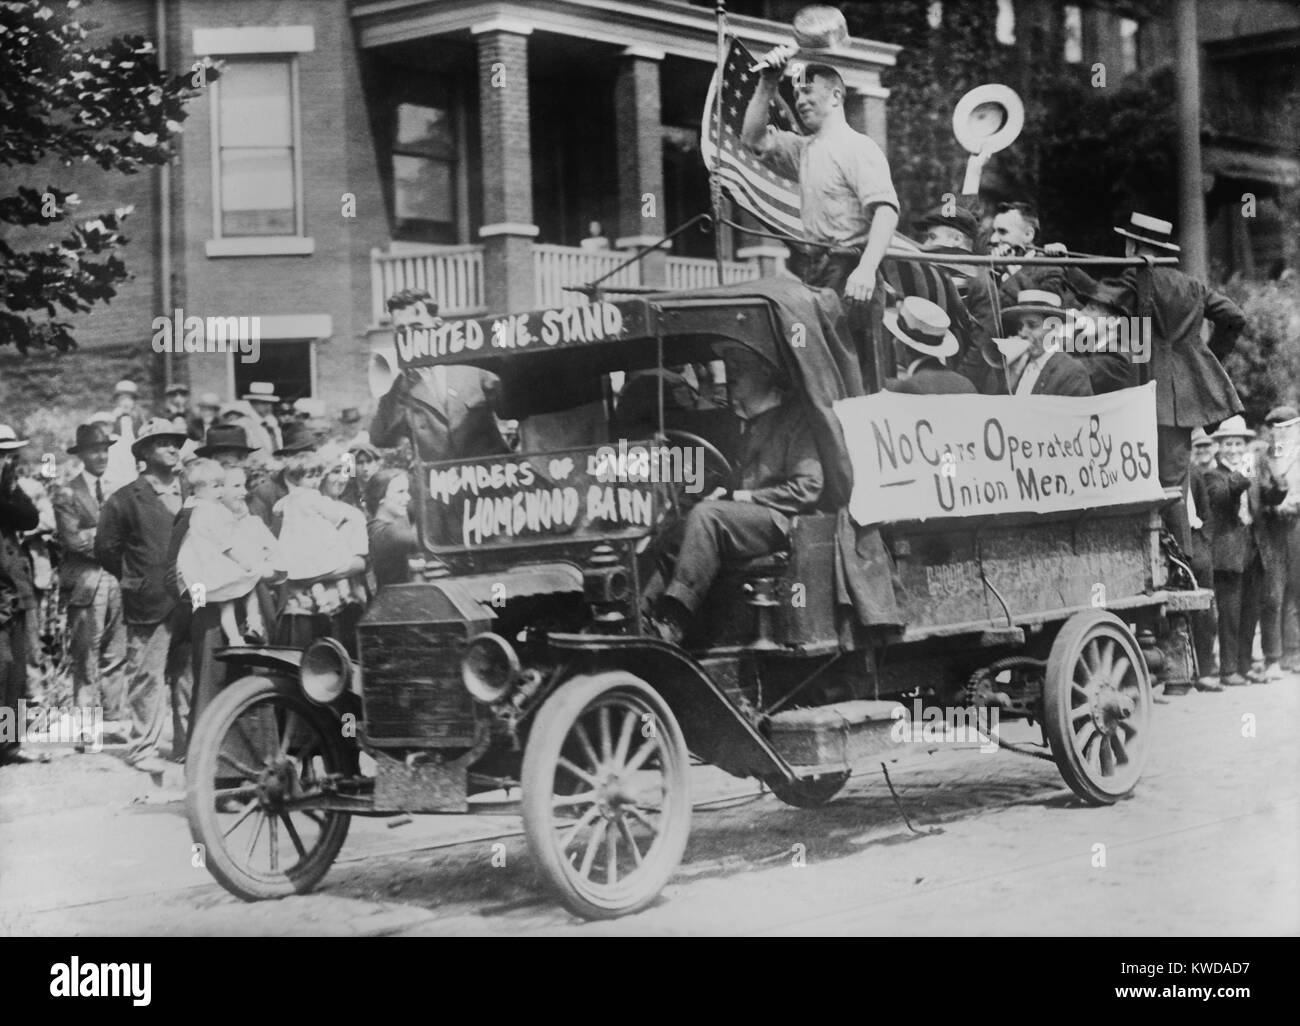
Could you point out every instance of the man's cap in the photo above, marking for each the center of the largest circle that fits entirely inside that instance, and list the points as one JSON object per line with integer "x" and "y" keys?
{"x": 260, "y": 392}
{"x": 1199, "y": 437}
{"x": 225, "y": 438}
{"x": 126, "y": 387}
{"x": 210, "y": 399}
{"x": 176, "y": 388}
{"x": 366, "y": 449}
{"x": 922, "y": 326}
{"x": 960, "y": 218}
{"x": 298, "y": 437}
{"x": 1151, "y": 230}
{"x": 1110, "y": 295}
{"x": 90, "y": 436}
{"x": 9, "y": 440}
{"x": 1281, "y": 414}
{"x": 155, "y": 429}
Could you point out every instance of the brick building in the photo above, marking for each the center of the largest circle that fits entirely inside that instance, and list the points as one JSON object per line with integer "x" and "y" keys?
{"x": 350, "y": 149}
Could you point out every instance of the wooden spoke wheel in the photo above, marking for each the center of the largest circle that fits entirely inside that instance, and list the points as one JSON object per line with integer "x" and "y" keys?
{"x": 1098, "y": 707}
{"x": 606, "y": 794}
{"x": 253, "y": 789}
{"x": 810, "y": 792}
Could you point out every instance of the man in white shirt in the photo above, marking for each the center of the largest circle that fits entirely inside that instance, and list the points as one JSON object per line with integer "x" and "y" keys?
{"x": 847, "y": 197}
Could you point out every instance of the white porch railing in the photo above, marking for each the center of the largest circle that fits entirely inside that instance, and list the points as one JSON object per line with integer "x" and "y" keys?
{"x": 453, "y": 275}
{"x": 702, "y": 272}
{"x": 557, "y": 266}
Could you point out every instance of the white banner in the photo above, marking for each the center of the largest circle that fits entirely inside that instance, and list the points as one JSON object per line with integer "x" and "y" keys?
{"x": 921, "y": 456}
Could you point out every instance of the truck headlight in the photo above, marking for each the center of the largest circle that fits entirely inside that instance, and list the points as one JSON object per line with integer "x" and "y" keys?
{"x": 489, "y": 668}
{"x": 326, "y": 671}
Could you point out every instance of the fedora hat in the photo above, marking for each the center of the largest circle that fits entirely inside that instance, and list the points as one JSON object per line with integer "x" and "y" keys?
{"x": 350, "y": 415}
{"x": 1150, "y": 230}
{"x": 90, "y": 436}
{"x": 225, "y": 437}
{"x": 260, "y": 392}
{"x": 9, "y": 441}
{"x": 1234, "y": 427}
{"x": 1280, "y": 415}
{"x": 922, "y": 326}
{"x": 1109, "y": 295}
{"x": 1199, "y": 437}
{"x": 1032, "y": 301}
{"x": 155, "y": 429}
{"x": 298, "y": 437}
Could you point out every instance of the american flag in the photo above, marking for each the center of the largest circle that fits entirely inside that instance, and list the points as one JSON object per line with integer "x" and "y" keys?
{"x": 773, "y": 199}
{"x": 756, "y": 187}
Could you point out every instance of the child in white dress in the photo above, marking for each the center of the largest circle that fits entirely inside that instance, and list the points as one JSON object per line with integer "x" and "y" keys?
{"x": 322, "y": 540}
{"x": 225, "y": 550}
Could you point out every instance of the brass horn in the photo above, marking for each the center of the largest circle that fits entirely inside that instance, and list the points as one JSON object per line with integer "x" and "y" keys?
{"x": 382, "y": 370}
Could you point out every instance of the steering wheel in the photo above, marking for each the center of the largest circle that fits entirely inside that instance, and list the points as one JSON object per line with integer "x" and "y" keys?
{"x": 717, "y": 468}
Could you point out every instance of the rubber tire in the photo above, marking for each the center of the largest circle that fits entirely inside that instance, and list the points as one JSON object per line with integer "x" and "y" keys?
{"x": 1068, "y": 646}
{"x": 545, "y": 742}
{"x": 200, "y": 772}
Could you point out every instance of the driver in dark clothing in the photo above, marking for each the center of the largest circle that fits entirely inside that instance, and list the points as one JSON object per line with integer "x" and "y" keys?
{"x": 778, "y": 474}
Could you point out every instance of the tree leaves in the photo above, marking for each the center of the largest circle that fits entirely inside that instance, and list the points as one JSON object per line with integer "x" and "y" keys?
{"x": 66, "y": 100}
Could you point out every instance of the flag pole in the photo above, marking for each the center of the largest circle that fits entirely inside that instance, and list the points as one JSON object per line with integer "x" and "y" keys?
{"x": 715, "y": 181}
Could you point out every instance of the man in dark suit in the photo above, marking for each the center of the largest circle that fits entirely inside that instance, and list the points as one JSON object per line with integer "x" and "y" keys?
{"x": 17, "y": 595}
{"x": 1035, "y": 366}
{"x": 132, "y": 542}
{"x": 1205, "y": 622}
{"x": 924, "y": 345}
{"x": 96, "y": 630}
{"x": 1222, "y": 505}
{"x": 1192, "y": 389}
{"x": 778, "y": 474}
{"x": 445, "y": 412}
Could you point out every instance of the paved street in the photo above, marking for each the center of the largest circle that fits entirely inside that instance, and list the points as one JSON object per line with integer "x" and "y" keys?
{"x": 1210, "y": 844}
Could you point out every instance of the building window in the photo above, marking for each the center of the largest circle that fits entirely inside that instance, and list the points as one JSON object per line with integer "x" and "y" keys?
{"x": 424, "y": 172}
{"x": 289, "y": 364}
{"x": 1073, "y": 34}
{"x": 1128, "y": 42}
{"x": 256, "y": 159}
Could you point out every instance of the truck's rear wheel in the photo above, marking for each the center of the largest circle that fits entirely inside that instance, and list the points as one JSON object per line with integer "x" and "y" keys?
{"x": 1098, "y": 707}
{"x": 606, "y": 794}
{"x": 260, "y": 752}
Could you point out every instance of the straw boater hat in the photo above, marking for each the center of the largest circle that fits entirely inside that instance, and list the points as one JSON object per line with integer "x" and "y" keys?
{"x": 1150, "y": 230}
{"x": 1234, "y": 427}
{"x": 155, "y": 429}
{"x": 9, "y": 441}
{"x": 260, "y": 392}
{"x": 922, "y": 326}
{"x": 1032, "y": 301}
